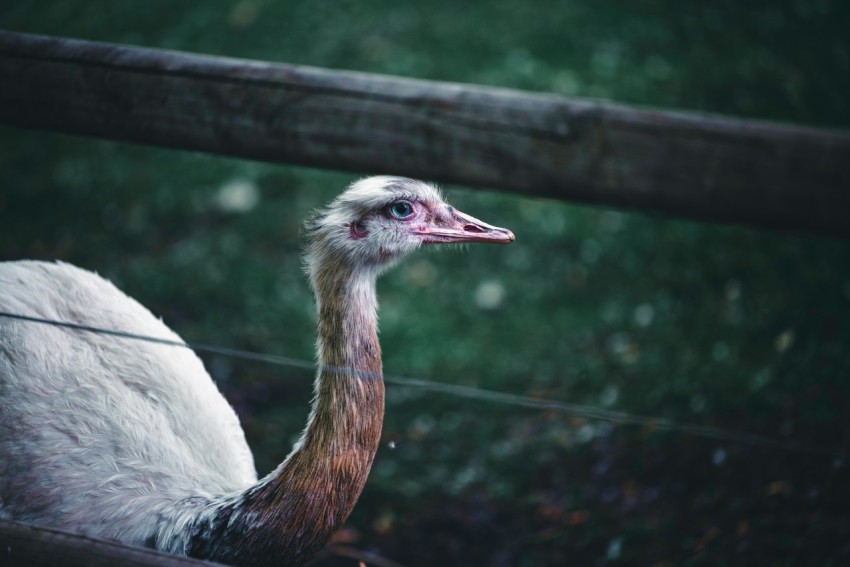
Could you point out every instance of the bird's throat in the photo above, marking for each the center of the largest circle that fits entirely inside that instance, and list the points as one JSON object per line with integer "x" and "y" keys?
{"x": 291, "y": 514}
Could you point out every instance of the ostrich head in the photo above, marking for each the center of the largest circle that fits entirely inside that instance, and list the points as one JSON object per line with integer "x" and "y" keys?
{"x": 380, "y": 219}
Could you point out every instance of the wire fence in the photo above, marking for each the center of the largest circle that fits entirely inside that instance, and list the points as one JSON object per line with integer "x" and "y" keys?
{"x": 505, "y": 398}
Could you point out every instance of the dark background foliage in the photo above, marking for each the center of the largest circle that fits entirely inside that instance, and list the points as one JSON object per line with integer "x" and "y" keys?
{"x": 702, "y": 324}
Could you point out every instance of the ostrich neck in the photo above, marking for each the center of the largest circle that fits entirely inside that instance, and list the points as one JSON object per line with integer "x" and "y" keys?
{"x": 291, "y": 514}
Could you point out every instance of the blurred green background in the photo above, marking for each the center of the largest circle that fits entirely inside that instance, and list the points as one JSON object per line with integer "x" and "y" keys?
{"x": 703, "y": 324}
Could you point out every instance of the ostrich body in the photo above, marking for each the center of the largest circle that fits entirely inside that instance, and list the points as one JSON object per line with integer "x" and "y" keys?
{"x": 131, "y": 441}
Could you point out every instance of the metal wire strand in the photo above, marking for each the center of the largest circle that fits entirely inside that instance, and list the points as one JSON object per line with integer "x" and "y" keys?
{"x": 469, "y": 392}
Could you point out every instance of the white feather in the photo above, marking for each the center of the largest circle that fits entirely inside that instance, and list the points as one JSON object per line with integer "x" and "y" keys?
{"x": 140, "y": 426}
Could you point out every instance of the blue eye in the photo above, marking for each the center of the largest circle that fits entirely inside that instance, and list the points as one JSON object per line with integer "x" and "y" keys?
{"x": 401, "y": 210}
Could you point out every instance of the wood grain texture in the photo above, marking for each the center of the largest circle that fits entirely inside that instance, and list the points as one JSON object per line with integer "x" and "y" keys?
{"x": 689, "y": 165}
{"x": 23, "y": 545}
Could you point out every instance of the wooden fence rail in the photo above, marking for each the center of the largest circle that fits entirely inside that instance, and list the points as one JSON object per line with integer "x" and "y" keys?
{"x": 695, "y": 166}
{"x": 31, "y": 546}
{"x": 690, "y": 165}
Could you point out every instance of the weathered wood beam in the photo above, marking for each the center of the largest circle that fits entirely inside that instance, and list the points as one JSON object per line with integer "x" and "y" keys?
{"x": 689, "y": 165}
{"x": 24, "y": 545}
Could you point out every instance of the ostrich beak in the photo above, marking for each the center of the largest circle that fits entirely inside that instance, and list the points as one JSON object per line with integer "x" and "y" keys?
{"x": 456, "y": 226}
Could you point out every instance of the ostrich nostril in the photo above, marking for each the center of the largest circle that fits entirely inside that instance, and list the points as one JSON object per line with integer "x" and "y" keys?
{"x": 472, "y": 228}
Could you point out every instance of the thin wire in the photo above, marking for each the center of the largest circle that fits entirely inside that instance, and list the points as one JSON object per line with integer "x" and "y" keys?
{"x": 214, "y": 349}
{"x": 584, "y": 411}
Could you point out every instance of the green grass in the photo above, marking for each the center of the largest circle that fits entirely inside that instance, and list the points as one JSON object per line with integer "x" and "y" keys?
{"x": 712, "y": 325}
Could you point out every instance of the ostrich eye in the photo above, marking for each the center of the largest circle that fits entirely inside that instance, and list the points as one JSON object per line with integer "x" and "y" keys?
{"x": 401, "y": 210}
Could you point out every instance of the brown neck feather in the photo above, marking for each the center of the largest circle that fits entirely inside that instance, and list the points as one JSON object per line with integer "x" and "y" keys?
{"x": 291, "y": 514}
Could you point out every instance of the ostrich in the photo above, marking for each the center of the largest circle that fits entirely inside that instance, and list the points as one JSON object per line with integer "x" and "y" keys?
{"x": 133, "y": 442}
